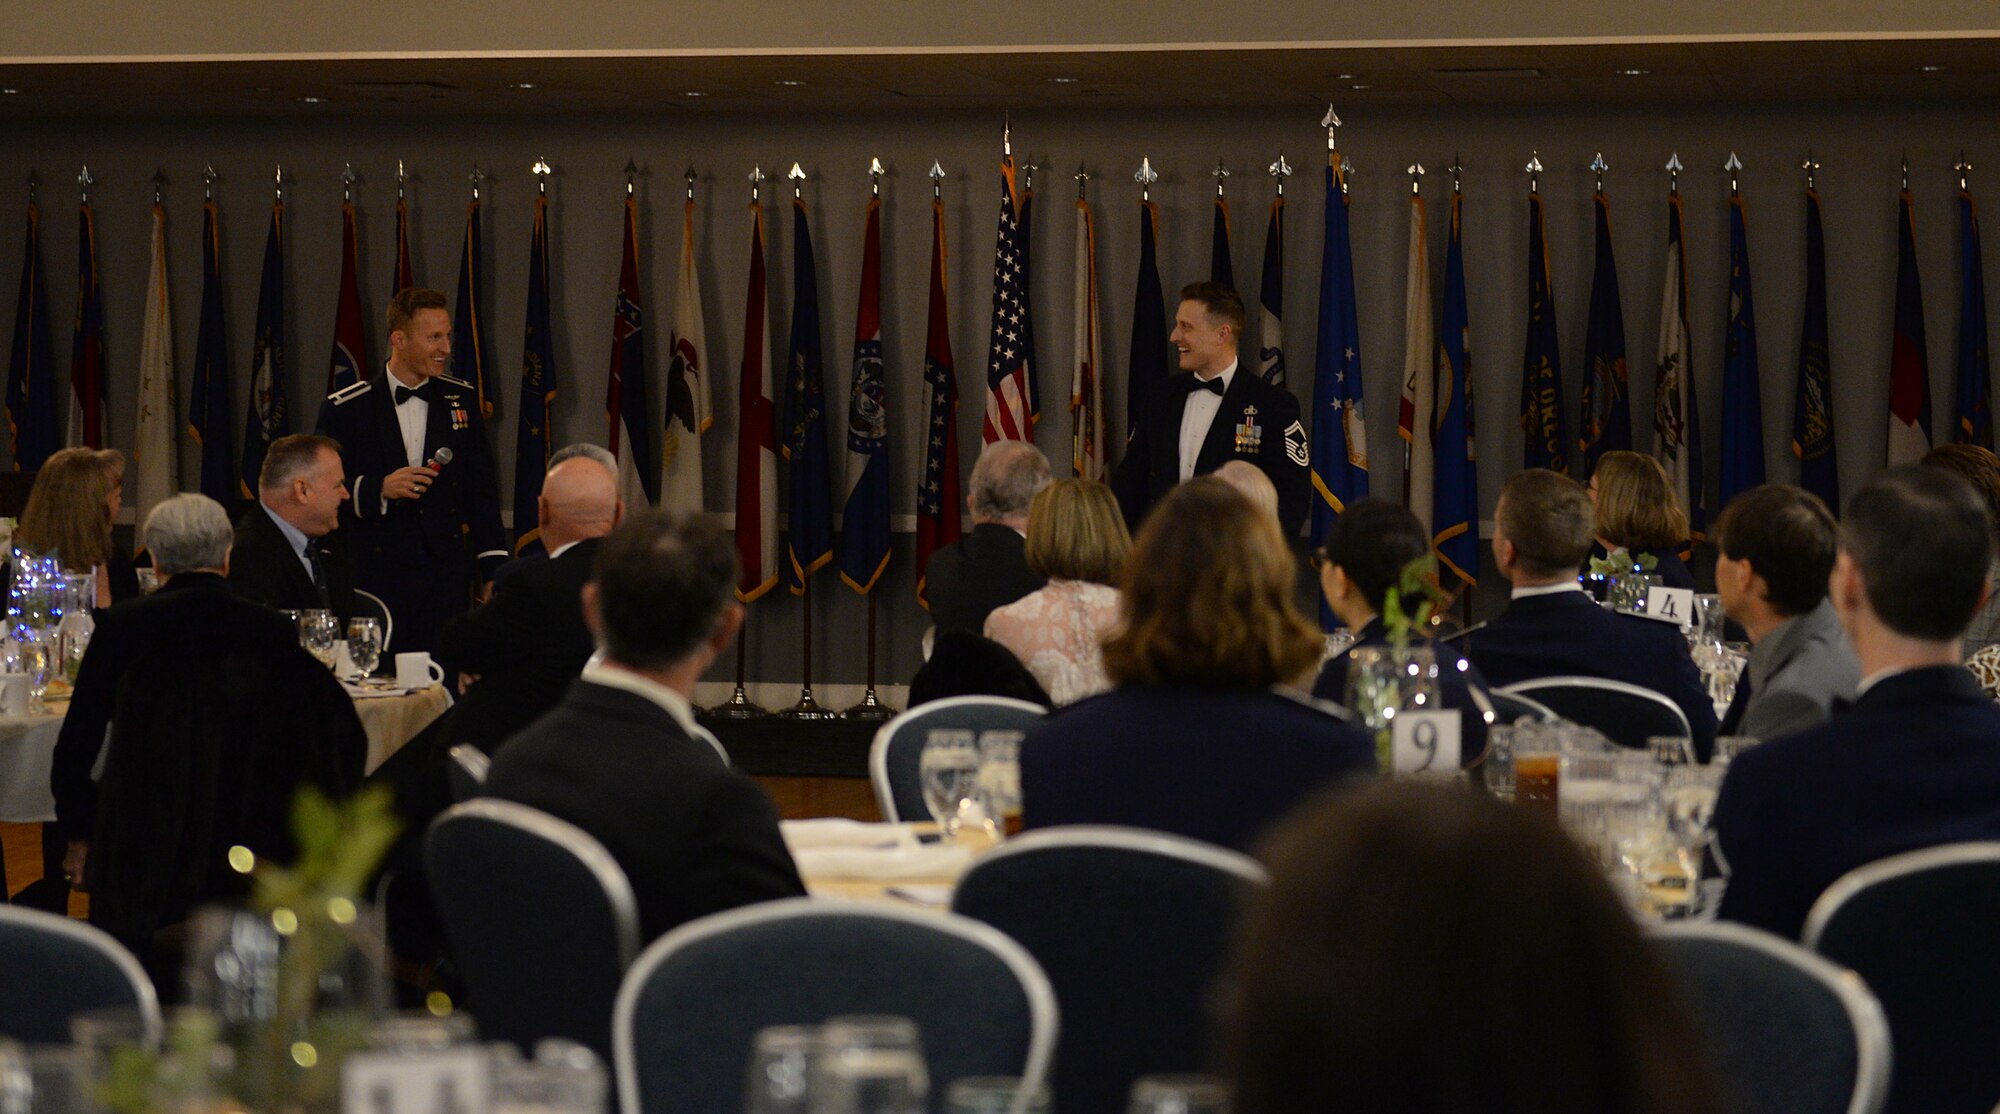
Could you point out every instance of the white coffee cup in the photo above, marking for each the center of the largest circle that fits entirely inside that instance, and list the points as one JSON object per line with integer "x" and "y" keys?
{"x": 13, "y": 694}
{"x": 416, "y": 670}
{"x": 343, "y": 664}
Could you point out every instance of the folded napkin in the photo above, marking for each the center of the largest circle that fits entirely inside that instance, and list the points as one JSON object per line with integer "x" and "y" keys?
{"x": 924, "y": 861}
{"x": 834, "y": 831}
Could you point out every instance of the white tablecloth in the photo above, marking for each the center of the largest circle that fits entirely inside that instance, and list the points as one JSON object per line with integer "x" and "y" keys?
{"x": 28, "y": 744}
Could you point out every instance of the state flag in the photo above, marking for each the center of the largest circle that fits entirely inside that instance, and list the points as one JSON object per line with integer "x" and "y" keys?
{"x": 350, "y": 336}
{"x": 267, "y": 416}
{"x": 1149, "y": 361}
{"x": 1220, "y": 269}
{"x": 1975, "y": 370}
{"x": 1271, "y": 299}
{"x": 626, "y": 415}
{"x": 1455, "y": 497}
{"x": 809, "y": 536}
{"x": 538, "y": 387}
{"x": 1606, "y": 422}
{"x": 31, "y": 374}
{"x": 1417, "y": 412}
{"x": 86, "y": 355}
{"x": 1909, "y": 356}
{"x": 690, "y": 410}
{"x": 1812, "y": 413}
{"x": 1742, "y": 395}
{"x": 864, "y": 516}
{"x": 468, "y": 322}
{"x": 156, "y": 466}
{"x": 1676, "y": 411}
{"x": 938, "y": 498}
{"x": 210, "y": 412}
{"x": 1086, "y": 389}
{"x": 1547, "y": 443}
{"x": 756, "y": 435}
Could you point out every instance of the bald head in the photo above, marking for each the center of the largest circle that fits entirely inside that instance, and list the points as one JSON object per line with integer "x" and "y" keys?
{"x": 579, "y": 500}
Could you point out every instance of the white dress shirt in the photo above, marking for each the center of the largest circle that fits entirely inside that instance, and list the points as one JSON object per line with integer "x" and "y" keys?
{"x": 598, "y": 672}
{"x": 1546, "y": 590}
{"x": 1196, "y": 418}
{"x": 413, "y": 416}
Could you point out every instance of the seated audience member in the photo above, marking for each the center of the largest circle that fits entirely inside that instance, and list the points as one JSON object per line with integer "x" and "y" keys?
{"x": 618, "y": 756}
{"x": 1981, "y": 468}
{"x": 1775, "y": 551}
{"x": 69, "y": 512}
{"x": 1985, "y": 667}
{"x": 1551, "y": 628}
{"x": 537, "y": 550}
{"x": 1194, "y": 740}
{"x": 216, "y": 718}
{"x": 282, "y": 557}
{"x": 1354, "y": 979}
{"x": 1252, "y": 482}
{"x": 1638, "y": 515}
{"x": 1916, "y": 761}
{"x": 988, "y": 567}
{"x": 1077, "y": 539}
{"x": 517, "y": 653}
{"x": 1367, "y": 548}
{"x": 965, "y": 664}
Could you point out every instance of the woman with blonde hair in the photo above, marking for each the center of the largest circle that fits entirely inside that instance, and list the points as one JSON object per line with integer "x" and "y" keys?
{"x": 1638, "y": 514}
{"x": 1197, "y": 737}
{"x": 1077, "y": 541}
{"x": 70, "y": 508}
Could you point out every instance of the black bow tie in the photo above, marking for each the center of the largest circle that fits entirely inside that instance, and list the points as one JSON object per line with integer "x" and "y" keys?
{"x": 1214, "y": 385}
{"x": 405, "y": 394}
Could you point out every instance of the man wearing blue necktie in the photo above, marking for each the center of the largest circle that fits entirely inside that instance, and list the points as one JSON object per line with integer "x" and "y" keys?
{"x": 1191, "y": 424}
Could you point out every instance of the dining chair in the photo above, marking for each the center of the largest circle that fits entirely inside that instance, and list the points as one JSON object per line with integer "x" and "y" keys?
{"x": 894, "y": 757}
{"x": 541, "y": 921}
{"x": 53, "y": 968}
{"x": 1133, "y": 928}
{"x": 466, "y": 768}
{"x": 694, "y": 1001}
{"x": 1785, "y": 1031}
{"x": 367, "y": 604}
{"x": 1921, "y": 928}
{"x": 1629, "y": 715}
{"x": 1509, "y": 707}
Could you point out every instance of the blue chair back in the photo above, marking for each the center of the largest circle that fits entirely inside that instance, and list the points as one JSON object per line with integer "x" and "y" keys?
{"x": 541, "y": 921}
{"x": 1785, "y": 1031}
{"x": 1921, "y": 928}
{"x": 1133, "y": 929}
{"x": 694, "y": 1001}
{"x": 53, "y": 968}
{"x": 899, "y": 746}
{"x": 465, "y": 769}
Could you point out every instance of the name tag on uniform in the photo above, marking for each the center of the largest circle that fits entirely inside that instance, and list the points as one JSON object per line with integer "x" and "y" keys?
{"x": 1249, "y": 435}
{"x": 1670, "y": 605}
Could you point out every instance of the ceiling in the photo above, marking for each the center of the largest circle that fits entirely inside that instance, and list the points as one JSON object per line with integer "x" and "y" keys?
{"x": 1819, "y": 72}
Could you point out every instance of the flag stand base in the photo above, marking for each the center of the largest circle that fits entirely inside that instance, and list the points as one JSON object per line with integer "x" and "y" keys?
{"x": 808, "y": 708}
{"x": 738, "y": 705}
{"x": 870, "y": 709}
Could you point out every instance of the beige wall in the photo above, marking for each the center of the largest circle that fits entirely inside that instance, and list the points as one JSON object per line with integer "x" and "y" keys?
{"x": 1859, "y": 148}
{"x": 108, "y": 29}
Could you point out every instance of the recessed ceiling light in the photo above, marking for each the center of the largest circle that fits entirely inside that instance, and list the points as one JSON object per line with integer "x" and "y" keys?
{"x": 1930, "y": 69}
{"x": 522, "y": 85}
{"x": 1358, "y": 88}
{"x": 1062, "y": 81}
{"x": 1632, "y": 72}
{"x": 789, "y": 82}
{"x": 9, "y": 92}
{"x": 312, "y": 100}
{"x": 1345, "y": 76}
{"x": 694, "y": 93}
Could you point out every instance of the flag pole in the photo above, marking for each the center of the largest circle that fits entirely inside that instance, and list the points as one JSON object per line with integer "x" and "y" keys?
{"x": 738, "y": 706}
{"x": 871, "y": 709}
{"x": 807, "y": 707}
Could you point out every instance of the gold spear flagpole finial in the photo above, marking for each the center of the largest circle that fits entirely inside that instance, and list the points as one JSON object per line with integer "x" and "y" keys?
{"x": 1598, "y": 166}
{"x": 875, "y": 173}
{"x": 1220, "y": 173}
{"x": 84, "y": 181}
{"x": 1534, "y": 169}
{"x": 756, "y": 182}
{"x": 690, "y": 176}
{"x": 1416, "y": 173}
{"x": 1674, "y": 173}
{"x": 1457, "y": 174}
{"x": 798, "y": 176}
{"x": 1733, "y": 166}
{"x": 347, "y": 180}
{"x": 1146, "y": 176}
{"x": 1028, "y": 180}
{"x": 631, "y": 176}
{"x": 541, "y": 171}
{"x": 936, "y": 175}
{"x": 1964, "y": 168}
{"x": 477, "y": 176}
{"x": 1331, "y": 122}
{"x": 1810, "y": 166}
{"x": 208, "y": 177}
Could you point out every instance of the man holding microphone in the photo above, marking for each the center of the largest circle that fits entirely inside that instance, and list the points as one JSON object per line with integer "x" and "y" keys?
{"x": 424, "y": 517}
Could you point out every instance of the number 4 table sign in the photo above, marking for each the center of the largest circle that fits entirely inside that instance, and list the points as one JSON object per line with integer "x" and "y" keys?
{"x": 1670, "y": 605}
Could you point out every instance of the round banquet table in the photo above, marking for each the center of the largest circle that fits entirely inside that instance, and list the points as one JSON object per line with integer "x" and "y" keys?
{"x": 28, "y": 744}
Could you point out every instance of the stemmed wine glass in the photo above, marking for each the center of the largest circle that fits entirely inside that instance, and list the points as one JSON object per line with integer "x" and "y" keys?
{"x": 364, "y": 644}
{"x": 318, "y": 630}
{"x": 950, "y": 769}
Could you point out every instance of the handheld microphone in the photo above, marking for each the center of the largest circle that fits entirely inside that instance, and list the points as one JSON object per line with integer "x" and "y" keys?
{"x": 438, "y": 460}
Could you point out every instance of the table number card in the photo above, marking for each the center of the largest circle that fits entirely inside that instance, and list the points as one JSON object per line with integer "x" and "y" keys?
{"x": 454, "y": 1080}
{"x": 1670, "y": 605}
{"x": 1424, "y": 742}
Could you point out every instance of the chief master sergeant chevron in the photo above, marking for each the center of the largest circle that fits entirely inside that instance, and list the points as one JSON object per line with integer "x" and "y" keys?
{"x": 423, "y": 524}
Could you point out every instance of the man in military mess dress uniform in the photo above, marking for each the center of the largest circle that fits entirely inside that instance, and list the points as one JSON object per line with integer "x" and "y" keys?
{"x": 1191, "y": 424}
{"x": 423, "y": 522}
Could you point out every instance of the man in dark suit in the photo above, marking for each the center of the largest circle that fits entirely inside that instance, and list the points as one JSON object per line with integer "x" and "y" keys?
{"x": 619, "y": 757}
{"x": 1915, "y": 762}
{"x": 1188, "y": 425}
{"x": 282, "y": 557}
{"x": 216, "y": 716}
{"x": 1366, "y": 551}
{"x": 1775, "y": 552}
{"x": 424, "y": 521}
{"x": 517, "y": 654}
{"x": 1551, "y": 628}
{"x": 988, "y": 567}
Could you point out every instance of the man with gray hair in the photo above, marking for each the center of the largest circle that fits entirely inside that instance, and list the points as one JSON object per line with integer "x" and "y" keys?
{"x": 215, "y": 716}
{"x": 988, "y": 567}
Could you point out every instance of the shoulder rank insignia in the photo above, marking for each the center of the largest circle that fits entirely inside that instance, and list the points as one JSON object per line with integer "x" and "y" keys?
{"x": 455, "y": 382}
{"x": 1295, "y": 445}
{"x": 350, "y": 392}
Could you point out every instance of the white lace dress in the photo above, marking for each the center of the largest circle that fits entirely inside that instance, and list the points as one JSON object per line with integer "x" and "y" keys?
{"x": 1058, "y": 633}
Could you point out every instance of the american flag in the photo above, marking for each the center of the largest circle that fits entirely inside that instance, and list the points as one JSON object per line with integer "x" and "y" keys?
{"x": 1008, "y": 406}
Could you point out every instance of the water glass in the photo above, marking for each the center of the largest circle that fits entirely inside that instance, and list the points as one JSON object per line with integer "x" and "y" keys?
{"x": 993, "y": 1094}
{"x": 1537, "y": 767}
{"x": 1178, "y": 1094}
{"x": 1727, "y": 747}
{"x": 1000, "y": 775}
{"x": 1670, "y": 750}
{"x": 1708, "y": 619}
{"x": 318, "y": 631}
{"x": 38, "y": 661}
{"x": 782, "y": 1061}
{"x": 949, "y": 767}
{"x": 1498, "y": 766}
{"x": 563, "y": 1078}
{"x": 364, "y": 644}
{"x": 870, "y": 1064}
